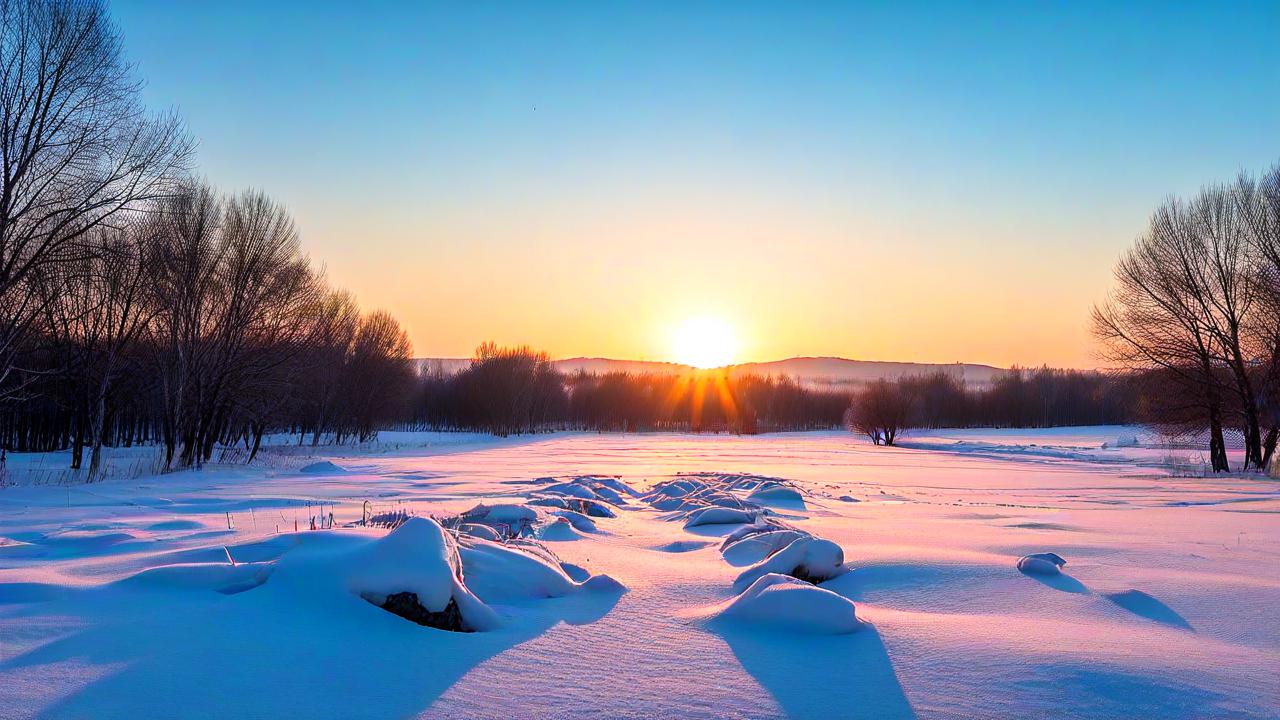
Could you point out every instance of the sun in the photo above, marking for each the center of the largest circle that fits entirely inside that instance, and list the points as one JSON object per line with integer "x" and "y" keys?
{"x": 704, "y": 342}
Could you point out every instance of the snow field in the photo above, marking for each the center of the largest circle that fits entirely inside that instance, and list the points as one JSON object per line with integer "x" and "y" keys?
{"x": 191, "y": 595}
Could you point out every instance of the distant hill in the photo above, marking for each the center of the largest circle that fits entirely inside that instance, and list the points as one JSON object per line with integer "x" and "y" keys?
{"x": 831, "y": 371}
{"x": 840, "y": 371}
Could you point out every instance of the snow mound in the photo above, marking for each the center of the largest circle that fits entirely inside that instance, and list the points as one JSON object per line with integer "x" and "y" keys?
{"x": 777, "y": 494}
{"x": 422, "y": 559}
{"x": 577, "y": 572}
{"x": 221, "y": 577}
{"x": 571, "y": 490}
{"x": 580, "y": 522}
{"x": 593, "y": 508}
{"x": 783, "y": 601}
{"x": 504, "y": 572}
{"x": 1041, "y": 563}
{"x": 506, "y": 520}
{"x": 742, "y": 496}
{"x": 525, "y": 570}
{"x": 755, "y": 547}
{"x": 544, "y": 519}
{"x": 719, "y": 516}
{"x": 323, "y": 467}
{"x": 510, "y": 513}
{"x": 481, "y": 531}
{"x": 595, "y": 488}
{"x": 807, "y": 558}
{"x": 690, "y": 492}
{"x": 560, "y": 530}
{"x": 603, "y": 584}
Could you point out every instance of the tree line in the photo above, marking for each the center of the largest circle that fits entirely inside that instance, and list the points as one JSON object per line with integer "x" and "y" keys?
{"x": 1037, "y": 398}
{"x": 140, "y": 305}
{"x": 518, "y": 390}
{"x": 1195, "y": 317}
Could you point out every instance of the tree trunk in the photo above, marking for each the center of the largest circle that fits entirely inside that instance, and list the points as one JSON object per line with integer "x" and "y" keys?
{"x": 1269, "y": 447}
{"x": 257, "y": 440}
{"x": 1217, "y": 445}
{"x": 77, "y": 443}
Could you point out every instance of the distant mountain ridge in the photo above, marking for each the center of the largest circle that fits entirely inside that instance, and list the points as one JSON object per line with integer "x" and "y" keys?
{"x": 834, "y": 371}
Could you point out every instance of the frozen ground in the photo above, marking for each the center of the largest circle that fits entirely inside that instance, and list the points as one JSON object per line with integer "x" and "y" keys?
{"x": 121, "y": 599}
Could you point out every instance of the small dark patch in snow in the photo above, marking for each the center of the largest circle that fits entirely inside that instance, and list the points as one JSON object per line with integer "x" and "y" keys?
{"x": 406, "y": 605}
{"x": 1044, "y": 526}
{"x": 800, "y": 572}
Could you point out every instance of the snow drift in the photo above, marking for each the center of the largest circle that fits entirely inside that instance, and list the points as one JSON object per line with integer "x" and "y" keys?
{"x": 1041, "y": 564}
{"x": 806, "y": 558}
{"x": 795, "y": 605}
{"x": 418, "y": 564}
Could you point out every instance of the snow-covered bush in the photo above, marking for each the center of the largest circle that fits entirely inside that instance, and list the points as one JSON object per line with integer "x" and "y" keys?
{"x": 778, "y": 494}
{"x": 784, "y": 601}
{"x": 755, "y": 547}
{"x": 806, "y": 558}
{"x": 416, "y": 572}
{"x": 719, "y": 516}
{"x": 523, "y": 570}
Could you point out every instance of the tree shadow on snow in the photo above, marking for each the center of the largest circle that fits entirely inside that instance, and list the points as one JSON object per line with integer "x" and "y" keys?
{"x": 258, "y": 654}
{"x": 820, "y": 676}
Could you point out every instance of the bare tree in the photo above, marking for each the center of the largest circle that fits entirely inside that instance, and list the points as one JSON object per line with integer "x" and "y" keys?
{"x": 882, "y": 410}
{"x": 124, "y": 309}
{"x": 1221, "y": 283}
{"x": 1156, "y": 318}
{"x": 76, "y": 147}
{"x": 1258, "y": 205}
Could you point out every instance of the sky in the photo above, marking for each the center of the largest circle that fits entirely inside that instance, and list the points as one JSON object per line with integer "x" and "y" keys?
{"x": 933, "y": 182}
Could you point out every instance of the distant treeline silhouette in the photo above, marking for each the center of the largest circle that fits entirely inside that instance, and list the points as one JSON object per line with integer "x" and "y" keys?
{"x": 517, "y": 390}
{"x": 1018, "y": 398}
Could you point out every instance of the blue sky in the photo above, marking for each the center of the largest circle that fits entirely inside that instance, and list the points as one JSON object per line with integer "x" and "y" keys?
{"x": 930, "y": 181}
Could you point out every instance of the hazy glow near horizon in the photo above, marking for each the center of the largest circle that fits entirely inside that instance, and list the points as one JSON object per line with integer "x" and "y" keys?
{"x": 934, "y": 182}
{"x": 704, "y": 342}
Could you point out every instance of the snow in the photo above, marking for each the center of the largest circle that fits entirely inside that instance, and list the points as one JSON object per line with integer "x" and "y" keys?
{"x": 807, "y": 557}
{"x": 321, "y": 467}
{"x": 719, "y": 516}
{"x": 777, "y": 495}
{"x": 190, "y": 593}
{"x": 756, "y": 547}
{"x": 419, "y": 557}
{"x": 793, "y": 605}
{"x": 497, "y": 572}
{"x": 1041, "y": 563}
{"x": 508, "y": 513}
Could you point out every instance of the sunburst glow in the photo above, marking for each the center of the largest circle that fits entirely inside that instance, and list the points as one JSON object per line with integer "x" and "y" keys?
{"x": 704, "y": 342}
